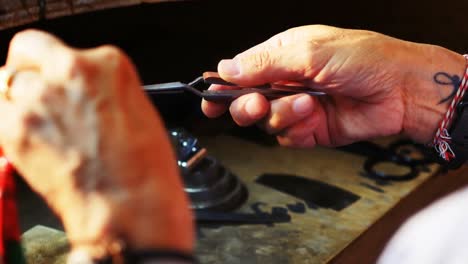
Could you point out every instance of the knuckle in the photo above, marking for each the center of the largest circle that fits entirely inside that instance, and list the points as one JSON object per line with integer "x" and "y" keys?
{"x": 116, "y": 56}
{"x": 284, "y": 141}
{"x": 19, "y": 37}
{"x": 241, "y": 119}
{"x": 274, "y": 124}
{"x": 309, "y": 50}
{"x": 111, "y": 52}
{"x": 115, "y": 59}
{"x": 105, "y": 56}
{"x": 25, "y": 35}
{"x": 257, "y": 61}
{"x": 69, "y": 66}
{"x": 238, "y": 118}
{"x": 31, "y": 39}
{"x": 71, "y": 61}
{"x": 280, "y": 115}
{"x": 314, "y": 58}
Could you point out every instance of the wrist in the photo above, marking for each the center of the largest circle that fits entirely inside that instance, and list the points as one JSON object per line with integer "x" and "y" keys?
{"x": 427, "y": 88}
{"x": 103, "y": 223}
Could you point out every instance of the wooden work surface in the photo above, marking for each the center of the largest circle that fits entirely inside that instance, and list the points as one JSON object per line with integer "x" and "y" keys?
{"x": 314, "y": 236}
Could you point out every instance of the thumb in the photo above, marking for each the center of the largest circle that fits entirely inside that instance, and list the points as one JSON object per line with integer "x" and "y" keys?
{"x": 268, "y": 65}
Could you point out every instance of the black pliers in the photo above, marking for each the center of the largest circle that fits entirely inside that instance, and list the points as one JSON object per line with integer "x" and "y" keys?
{"x": 270, "y": 91}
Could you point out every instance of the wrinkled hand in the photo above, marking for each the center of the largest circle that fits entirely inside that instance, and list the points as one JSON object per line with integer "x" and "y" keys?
{"x": 376, "y": 86}
{"x": 80, "y": 130}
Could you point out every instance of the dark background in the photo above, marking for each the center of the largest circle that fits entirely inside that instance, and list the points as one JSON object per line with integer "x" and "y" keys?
{"x": 178, "y": 41}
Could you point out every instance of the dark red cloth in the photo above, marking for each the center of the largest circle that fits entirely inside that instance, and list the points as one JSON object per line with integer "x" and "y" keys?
{"x": 9, "y": 224}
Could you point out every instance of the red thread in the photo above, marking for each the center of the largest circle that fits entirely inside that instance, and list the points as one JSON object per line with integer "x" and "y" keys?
{"x": 442, "y": 138}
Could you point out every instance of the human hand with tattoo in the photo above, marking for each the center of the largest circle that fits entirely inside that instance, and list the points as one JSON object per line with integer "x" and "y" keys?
{"x": 78, "y": 127}
{"x": 376, "y": 86}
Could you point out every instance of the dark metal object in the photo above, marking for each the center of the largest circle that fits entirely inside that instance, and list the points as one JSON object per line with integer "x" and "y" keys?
{"x": 313, "y": 192}
{"x": 270, "y": 91}
{"x": 210, "y": 185}
{"x": 398, "y": 153}
{"x": 242, "y": 218}
{"x": 188, "y": 151}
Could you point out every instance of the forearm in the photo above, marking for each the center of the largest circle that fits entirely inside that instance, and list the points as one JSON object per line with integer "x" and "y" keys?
{"x": 432, "y": 75}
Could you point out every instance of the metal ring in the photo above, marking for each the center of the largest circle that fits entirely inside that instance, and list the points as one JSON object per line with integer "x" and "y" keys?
{"x": 6, "y": 79}
{"x": 372, "y": 172}
{"x": 406, "y": 159}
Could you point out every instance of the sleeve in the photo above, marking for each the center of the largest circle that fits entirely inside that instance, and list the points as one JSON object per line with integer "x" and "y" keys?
{"x": 438, "y": 234}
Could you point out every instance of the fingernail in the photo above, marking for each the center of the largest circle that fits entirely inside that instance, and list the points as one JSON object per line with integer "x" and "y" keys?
{"x": 303, "y": 105}
{"x": 253, "y": 109}
{"x": 228, "y": 67}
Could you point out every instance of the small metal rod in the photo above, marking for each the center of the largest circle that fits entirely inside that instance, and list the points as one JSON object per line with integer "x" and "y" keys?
{"x": 195, "y": 159}
{"x": 176, "y": 87}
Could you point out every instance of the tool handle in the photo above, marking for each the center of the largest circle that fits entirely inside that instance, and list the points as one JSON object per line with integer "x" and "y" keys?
{"x": 227, "y": 96}
{"x": 214, "y": 78}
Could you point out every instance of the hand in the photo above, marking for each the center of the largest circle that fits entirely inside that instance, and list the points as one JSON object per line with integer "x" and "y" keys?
{"x": 80, "y": 130}
{"x": 376, "y": 86}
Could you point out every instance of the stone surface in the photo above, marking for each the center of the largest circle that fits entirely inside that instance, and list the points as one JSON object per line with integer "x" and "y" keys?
{"x": 45, "y": 245}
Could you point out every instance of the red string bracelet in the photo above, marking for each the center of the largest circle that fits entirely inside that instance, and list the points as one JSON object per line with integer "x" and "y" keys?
{"x": 10, "y": 245}
{"x": 442, "y": 137}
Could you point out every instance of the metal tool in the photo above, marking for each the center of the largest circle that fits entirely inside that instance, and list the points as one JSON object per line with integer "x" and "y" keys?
{"x": 215, "y": 217}
{"x": 209, "y": 184}
{"x": 270, "y": 91}
{"x": 402, "y": 153}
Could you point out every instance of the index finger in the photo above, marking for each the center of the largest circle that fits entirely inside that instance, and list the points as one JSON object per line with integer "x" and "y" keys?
{"x": 212, "y": 109}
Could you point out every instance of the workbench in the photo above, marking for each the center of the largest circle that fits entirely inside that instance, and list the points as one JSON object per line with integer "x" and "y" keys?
{"x": 351, "y": 232}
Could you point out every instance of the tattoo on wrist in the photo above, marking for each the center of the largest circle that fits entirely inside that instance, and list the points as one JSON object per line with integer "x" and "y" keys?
{"x": 444, "y": 78}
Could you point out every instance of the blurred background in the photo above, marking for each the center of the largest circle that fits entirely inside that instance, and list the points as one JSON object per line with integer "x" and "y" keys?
{"x": 178, "y": 41}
